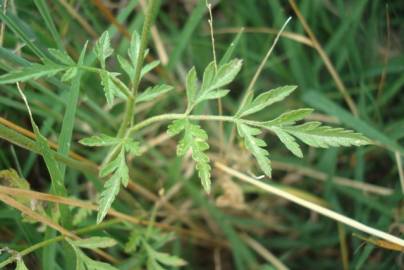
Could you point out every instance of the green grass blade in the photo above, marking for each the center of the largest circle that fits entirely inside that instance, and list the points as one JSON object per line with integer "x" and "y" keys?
{"x": 13, "y": 23}
{"x": 186, "y": 34}
{"x": 321, "y": 102}
{"x": 68, "y": 119}
{"x": 45, "y": 13}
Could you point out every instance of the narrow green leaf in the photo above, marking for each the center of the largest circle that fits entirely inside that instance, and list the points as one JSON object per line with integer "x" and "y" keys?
{"x": 100, "y": 140}
{"x": 46, "y": 15}
{"x": 164, "y": 258}
{"x": 103, "y": 48}
{"x": 111, "y": 166}
{"x": 132, "y": 147}
{"x": 83, "y": 262}
{"x": 134, "y": 241}
{"x": 153, "y": 92}
{"x": 288, "y": 141}
{"x": 95, "y": 242}
{"x": 126, "y": 66}
{"x": 266, "y": 99}
{"x": 149, "y": 67}
{"x": 323, "y": 103}
{"x": 62, "y": 57}
{"x": 96, "y": 265}
{"x": 216, "y": 94}
{"x": 213, "y": 80}
{"x": 290, "y": 118}
{"x": 57, "y": 183}
{"x": 34, "y": 71}
{"x": 110, "y": 88}
{"x": 313, "y": 134}
{"x": 134, "y": 49}
{"x": 184, "y": 38}
{"x": 255, "y": 146}
{"x": 229, "y": 52}
{"x": 14, "y": 23}
{"x": 66, "y": 131}
{"x": 226, "y": 74}
{"x": 176, "y": 127}
{"x": 111, "y": 189}
{"x": 191, "y": 86}
{"x": 194, "y": 139}
{"x": 70, "y": 74}
{"x": 81, "y": 215}
{"x": 208, "y": 77}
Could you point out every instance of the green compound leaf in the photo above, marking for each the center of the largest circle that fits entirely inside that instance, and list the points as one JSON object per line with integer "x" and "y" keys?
{"x": 212, "y": 81}
{"x": 255, "y": 146}
{"x": 100, "y": 140}
{"x": 149, "y": 67}
{"x": 83, "y": 262}
{"x": 132, "y": 147}
{"x": 103, "y": 48}
{"x": 289, "y": 142}
{"x": 95, "y": 242}
{"x": 110, "y": 88}
{"x": 62, "y": 57}
{"x": 69, "y": 74}
{"x": 225, "y": 74}
{"x": 120, "y": 175}
{"x": 126, "y": 66}
{"x": 194, "y": 139}
{"x": 153, "y": 92}
{"x": 176, "y": 127}
{"x": 155, "y": 258}
{"x": 191, "y": 86}
{"x": 314, "y": 134}
{"x": 34, "y": 71}
{"x": 111, "y": 189}
{"x": 134, "y": 49}
{"x": 265, "y": 99}
{"x": 290, "y": 118}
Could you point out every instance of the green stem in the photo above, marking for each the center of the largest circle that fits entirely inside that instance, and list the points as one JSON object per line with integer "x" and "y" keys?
{"x": 16, "y": 138}
{"x": 130, "y": 105}
{"x": 121, "y": 86}
{"x": 175, "y": 116}
{"x": 57, "y": 239}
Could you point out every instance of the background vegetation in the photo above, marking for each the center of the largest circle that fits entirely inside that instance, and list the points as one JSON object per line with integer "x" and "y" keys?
{"x": 346, "y": 58}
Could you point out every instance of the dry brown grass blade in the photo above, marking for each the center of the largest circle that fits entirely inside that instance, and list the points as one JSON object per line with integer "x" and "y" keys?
{"x": 266, "y": 30}
{"x": 31, "y": 135}
{"x": 380, "y": 243}
{"x": 44, "y": 220}
{"x": 330, "y": 67}
{"x": 365, "y": 187}
{"x": 311, "y": 206}
{"x": 72, "y": 12}
{"x": 113, "y": 213}
{"x": 111, "y": 18}
{"x": 266, "y": 254}
{"x": 93, "y": 168}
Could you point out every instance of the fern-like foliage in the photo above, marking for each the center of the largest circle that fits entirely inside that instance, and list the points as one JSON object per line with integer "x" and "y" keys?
{"x": 256, "y": 146}
{"x": 213, "y": 85}
{"x": 285, "y": 128}
{"x": 117, "y": 168}
{"x": 194, "y": 139}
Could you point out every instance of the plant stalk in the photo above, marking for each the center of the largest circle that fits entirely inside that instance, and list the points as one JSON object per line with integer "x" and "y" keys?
{"x": 57, "y": 239}
{"x": 130, "y": 105}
